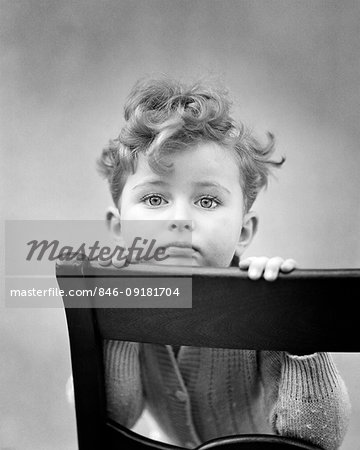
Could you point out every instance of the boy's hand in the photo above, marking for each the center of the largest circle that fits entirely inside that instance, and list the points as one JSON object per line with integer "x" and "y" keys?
{"x": 270, "y": 267}
{"x": 116, "y": 262}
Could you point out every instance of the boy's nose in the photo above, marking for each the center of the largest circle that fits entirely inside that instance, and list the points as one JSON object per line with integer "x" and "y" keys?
{"x": 181, "y": 225}
{"x": 180, "y": 216}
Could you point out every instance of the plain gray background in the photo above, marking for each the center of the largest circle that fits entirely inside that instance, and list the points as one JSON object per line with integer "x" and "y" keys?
{"x": 67, "y": 66}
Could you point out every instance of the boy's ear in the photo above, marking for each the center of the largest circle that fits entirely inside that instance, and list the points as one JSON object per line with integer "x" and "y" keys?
{"x": 248, "y": 231}
{"x": 113, "y": 222}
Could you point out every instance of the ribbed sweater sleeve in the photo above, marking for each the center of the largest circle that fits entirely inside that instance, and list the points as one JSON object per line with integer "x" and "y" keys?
{"x": 124, "y": 394}
{"x": 306, "y": 397}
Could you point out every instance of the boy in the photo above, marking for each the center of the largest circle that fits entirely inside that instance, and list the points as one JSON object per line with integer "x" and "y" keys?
{"x": 183, "y": 161}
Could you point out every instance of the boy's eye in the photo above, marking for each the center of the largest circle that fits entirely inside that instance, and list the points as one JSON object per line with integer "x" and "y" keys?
{"x": 208, "y": 202}
{"x": 153, "y": 200}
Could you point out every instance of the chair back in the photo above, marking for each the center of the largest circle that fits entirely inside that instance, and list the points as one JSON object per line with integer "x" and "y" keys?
{"x": 305, "y": 311}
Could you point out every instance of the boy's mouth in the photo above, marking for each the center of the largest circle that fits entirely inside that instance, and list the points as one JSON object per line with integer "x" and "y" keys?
{"x": 180, "y": 248}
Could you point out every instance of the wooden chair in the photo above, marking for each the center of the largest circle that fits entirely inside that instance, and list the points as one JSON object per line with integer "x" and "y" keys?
{"x": 304, "y": 311}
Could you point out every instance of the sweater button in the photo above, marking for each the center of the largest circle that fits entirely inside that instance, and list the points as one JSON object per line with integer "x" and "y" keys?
{"x": 180, "y": 395}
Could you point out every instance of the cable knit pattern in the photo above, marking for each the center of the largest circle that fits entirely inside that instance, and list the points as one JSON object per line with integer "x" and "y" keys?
{"x": 204, "y": 393}
{"x": 312, "y": 401}
{"x": 124, "y": 396}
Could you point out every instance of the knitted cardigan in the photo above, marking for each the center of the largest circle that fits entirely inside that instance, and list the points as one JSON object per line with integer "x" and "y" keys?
{"x": 204, "y": 393}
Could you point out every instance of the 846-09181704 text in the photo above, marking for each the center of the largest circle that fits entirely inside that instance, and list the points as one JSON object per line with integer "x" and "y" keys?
{"x": 100, "y": 291}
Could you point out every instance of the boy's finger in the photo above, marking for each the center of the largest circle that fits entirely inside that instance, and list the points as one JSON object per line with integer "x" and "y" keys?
{"x": 288, "y": 265}
{"x": 118, "y": 262}
{"x": 272, "y": 268}
{"x": 245, "y": 263}
{"x": 257, "y": 267}
{"x": 104, "y": 262}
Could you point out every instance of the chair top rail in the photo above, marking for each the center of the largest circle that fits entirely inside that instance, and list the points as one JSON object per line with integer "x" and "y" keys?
{"x": 304, "y": 311}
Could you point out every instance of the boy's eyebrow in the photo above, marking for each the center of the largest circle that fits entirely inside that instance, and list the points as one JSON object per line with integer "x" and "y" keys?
{"x": 211, "y": 184}
{"x": 202, "y": 184}
{"x": 151, "y": 183}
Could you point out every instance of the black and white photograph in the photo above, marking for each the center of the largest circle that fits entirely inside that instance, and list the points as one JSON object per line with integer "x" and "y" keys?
{"x": 180, "y": 224}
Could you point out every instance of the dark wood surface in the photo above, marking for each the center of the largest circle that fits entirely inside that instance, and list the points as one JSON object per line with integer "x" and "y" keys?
{"x": 306, "y": 310}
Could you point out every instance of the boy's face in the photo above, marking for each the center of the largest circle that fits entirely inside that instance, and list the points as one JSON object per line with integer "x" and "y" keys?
{"x": 199, "y": 204}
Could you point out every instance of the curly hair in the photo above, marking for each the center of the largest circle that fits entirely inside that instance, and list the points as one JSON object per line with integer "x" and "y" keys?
{"x": 164, "y": 116}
